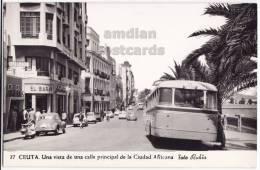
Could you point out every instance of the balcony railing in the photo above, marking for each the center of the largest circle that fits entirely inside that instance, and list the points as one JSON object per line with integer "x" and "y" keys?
{"x": 43, "y": 73}
{"x": 30, "y": 35}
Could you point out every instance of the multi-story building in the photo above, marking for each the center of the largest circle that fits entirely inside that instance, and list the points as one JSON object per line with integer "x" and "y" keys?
{"x": 47, "y": 50}
{"x": 105, "y": 53}
{"x": 127, "y": 76}
{"x": 96, "y": 79}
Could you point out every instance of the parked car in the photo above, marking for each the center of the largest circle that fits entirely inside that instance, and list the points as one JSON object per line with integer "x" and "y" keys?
{"x": 131, "y": 117}
{"x": 117, "y": 112}
{"x": 110, "y": 114}
{"x": 122, "y": 115}
{"x": 99, "y": 116}
{"x": 140, "y": 106}
{"x": 50, "y": 122}
{"x": 91, "y": 117}
{"x": 76, "y": 121}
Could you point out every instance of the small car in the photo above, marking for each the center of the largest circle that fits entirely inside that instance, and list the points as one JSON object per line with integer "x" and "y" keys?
{"x": 117, "y": 112}
{"x": 91, "y": 117}
{"x": 76, "y": 121}
{"x": 110, "y": 114}
{"x": 50, "y": 122}
{"x": 131, "y": 117}
{"x": 122, "y": 115}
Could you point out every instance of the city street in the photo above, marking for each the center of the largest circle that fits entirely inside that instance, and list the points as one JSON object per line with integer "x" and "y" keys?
{"x": 116, "y": 135}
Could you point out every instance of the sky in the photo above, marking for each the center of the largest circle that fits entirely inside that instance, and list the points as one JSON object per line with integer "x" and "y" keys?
{"x": 172, "y": 23}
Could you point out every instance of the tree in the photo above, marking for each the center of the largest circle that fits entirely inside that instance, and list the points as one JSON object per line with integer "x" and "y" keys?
{"x": 228, "y": 53}
{"x": 142, "y": 95}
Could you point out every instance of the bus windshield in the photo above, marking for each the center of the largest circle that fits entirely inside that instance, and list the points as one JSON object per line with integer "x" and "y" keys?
{"x": 189, "y": 98}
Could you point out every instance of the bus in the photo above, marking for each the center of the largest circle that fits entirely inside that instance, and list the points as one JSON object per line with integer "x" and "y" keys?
{"x": 183, "y": 109}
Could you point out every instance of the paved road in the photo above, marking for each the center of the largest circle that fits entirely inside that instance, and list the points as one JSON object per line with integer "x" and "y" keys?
{"x": 113, "y": 135}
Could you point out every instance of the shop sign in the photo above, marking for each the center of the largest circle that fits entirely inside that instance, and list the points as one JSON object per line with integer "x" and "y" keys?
{"x": 38, "y": 88}
{"x": 14, "y": 87}
{"x": 60, "y": 88}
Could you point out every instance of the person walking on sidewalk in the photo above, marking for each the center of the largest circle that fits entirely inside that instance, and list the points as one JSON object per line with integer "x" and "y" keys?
{"x": 25, "y": 116}
{"x": 81, "y": 118}
{"x": 37, "y": 115}
{"x": 31, "y": 115}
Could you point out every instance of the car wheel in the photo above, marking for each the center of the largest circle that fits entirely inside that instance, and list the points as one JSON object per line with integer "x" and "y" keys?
{"x": 37, "y": 133}
{"x": 57, "y": 131}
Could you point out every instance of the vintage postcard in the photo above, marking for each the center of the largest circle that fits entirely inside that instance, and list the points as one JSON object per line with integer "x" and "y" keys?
{"x": 129, "y": 84}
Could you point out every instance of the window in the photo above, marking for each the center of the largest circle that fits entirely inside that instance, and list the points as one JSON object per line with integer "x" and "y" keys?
{"x": 29, "y": 60}
{"x": 42, "y": 66}
{"x": 165, "y": 96}
{"x": 70, "y": 74}
{"x": 49, "y": 20}
{"x": 30, "y": 24}
{"x": 58, "y": 31}
{"x": 69, "y": 40}
{"x": 75, "y": 47}
{"x": 75, "y": 77}
{"x": 60, "y": 71}
{"x": 211, "y": 100}
{"x": 189, "y": 98}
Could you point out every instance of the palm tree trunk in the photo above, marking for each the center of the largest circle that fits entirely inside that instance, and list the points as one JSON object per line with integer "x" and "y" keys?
{"x": 219, "y": 103}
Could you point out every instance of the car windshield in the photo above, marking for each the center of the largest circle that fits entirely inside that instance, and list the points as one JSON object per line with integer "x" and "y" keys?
{"x": 189, "y": 98}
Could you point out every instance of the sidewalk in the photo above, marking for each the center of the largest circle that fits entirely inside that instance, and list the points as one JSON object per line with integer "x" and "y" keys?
{"x": 240, "y": 140}
{"x": 17, "y": 135}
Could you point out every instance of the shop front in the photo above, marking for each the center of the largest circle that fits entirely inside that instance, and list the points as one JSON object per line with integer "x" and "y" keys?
{"x": 38, "y": 96}
{"x": 13, "y": 118}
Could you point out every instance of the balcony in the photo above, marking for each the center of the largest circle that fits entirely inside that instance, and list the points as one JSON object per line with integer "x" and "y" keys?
{"x": 30, "y": 35}
{"x": 51, "y": 4}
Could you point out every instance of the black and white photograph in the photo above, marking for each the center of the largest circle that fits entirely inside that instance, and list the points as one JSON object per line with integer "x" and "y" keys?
{"x": 137, "y": 77}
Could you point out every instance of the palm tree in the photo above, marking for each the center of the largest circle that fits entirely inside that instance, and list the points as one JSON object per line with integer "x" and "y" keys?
{"x": 229, "y": 51}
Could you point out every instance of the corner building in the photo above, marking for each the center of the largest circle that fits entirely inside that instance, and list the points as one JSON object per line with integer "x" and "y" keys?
{"x": 46, "y": 48}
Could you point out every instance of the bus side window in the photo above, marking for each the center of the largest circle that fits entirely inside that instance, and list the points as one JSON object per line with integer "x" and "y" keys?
{"x": 165, "y": 96}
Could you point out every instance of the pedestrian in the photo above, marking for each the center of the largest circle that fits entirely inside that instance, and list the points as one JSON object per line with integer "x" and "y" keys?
{"x": 107, "y": 116}
{"x": 25, "y": 116}
{"x": 31, "y": 115}
{"x": 64, "y": 116}
{"x": 37, "y": 115}
{"x": 14, "y": 119}
{"x": 81, "y": 118}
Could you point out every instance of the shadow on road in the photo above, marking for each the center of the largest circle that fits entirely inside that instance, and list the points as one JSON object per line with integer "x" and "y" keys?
{"x": 178, "y": 144}
{"x": 9, "y": 140}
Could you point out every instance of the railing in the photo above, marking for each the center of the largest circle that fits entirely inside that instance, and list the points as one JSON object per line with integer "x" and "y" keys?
{"x": 30, "y": 35}
{"x": 240, "y": 123}
{"x": 43, "y": 73}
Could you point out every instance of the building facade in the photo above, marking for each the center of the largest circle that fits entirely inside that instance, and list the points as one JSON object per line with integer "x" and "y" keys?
{"x": 128, "y": 82}
{"x": 46, "y": 49}
{"x": 105, "y": 53}
{"x": 96, "y": 78}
